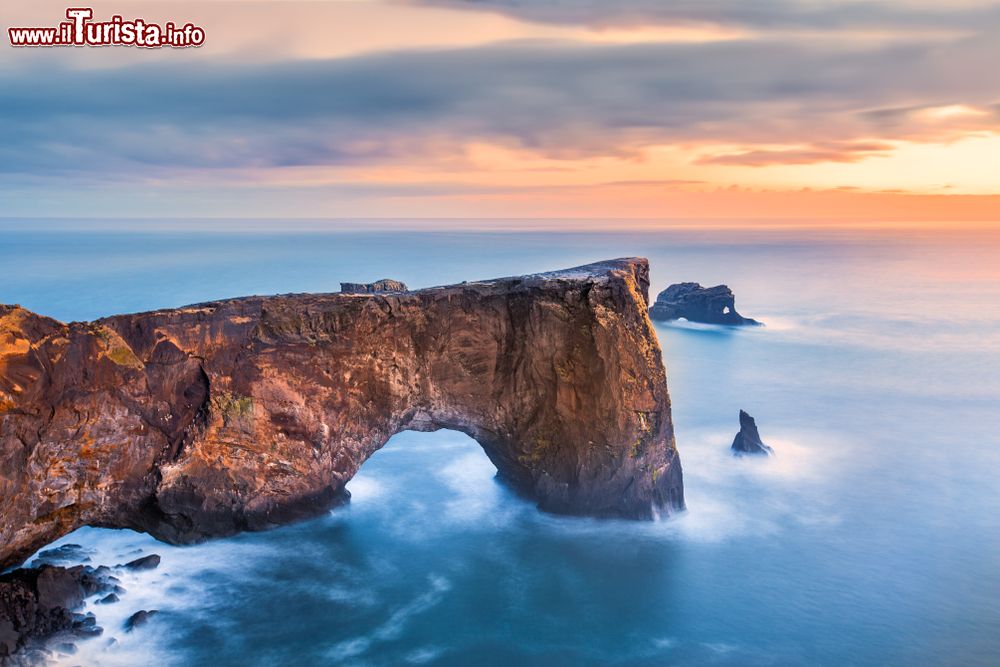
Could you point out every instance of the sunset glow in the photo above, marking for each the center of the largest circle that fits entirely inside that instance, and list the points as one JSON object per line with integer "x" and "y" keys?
{"x": 505, "y": 109}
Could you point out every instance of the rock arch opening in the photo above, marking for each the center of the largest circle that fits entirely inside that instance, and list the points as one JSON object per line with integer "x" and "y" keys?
{"x": 444, "y": 475}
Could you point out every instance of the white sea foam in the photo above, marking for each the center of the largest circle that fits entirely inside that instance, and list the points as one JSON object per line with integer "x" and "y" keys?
{"x": 365, "y": 488}
{"x": 172, "y": 589}
{"x": 393, "y": 626}
{"x": 470, "y": 477}
{"x": 705, "y": 326}
{"x": 721, "y": 648}
{"x": 729, "y": 496}
{"x": 424, "y": 654}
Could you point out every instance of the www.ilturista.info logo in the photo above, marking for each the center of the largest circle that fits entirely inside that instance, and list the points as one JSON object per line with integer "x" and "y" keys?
{"x": 79, "y": 30}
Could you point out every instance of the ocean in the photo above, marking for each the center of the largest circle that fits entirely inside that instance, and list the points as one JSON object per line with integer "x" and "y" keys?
{"x": 872, "y": 537}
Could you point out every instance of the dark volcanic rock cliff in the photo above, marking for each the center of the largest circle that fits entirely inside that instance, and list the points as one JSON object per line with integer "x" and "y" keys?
{"x": 246, "y": 413}
{"x": 711, "y": 305}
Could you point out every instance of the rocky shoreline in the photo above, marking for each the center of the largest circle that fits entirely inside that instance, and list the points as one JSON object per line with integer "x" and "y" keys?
{"x": 747, "y": 440}
{"x": 40, "y": 606}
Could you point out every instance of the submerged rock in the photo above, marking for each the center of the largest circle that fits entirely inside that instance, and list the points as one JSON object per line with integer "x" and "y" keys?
{"x": 150, "y": 562}
{"x": 66, "y": 648}
{"x": 67, "y": 553}
{"x": 748, "y": 441}
{"x": 694, "y": 303}
{"x": 139, "y": 618}
{"x": 377, "y": 287}
{"x": 248, "y": 413}
{"x": 85, "y": 626}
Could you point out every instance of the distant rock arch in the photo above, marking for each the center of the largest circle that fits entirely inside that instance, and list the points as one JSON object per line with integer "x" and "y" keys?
{"x": 692, "y": 302}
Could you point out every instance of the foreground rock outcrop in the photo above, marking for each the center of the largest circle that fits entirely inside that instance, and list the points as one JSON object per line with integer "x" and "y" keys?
{"x": 36, "y": 603}
{"x": 247, "y": 413}
{"x": 694, "y": 303}
{"x": 748, "y": 441}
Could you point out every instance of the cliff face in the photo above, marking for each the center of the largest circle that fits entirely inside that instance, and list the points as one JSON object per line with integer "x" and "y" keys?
{"x": 247, "y": 413}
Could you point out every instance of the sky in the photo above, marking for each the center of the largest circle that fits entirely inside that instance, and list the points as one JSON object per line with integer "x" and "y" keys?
{"x": 804, "y": 110}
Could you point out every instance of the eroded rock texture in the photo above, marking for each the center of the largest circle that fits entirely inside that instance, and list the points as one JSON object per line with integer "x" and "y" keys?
{"x": 384, "y": 285}
{"x": 691, "y": 301}
{"x": 247, "y": 413}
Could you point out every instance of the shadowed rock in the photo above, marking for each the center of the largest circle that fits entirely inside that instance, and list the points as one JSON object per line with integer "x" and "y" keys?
{"x": 67, "y": 553}
{"x": 694, "y": 303}
{"x": 248, "y": 413}
{"x": 150, "y": 562}
{"x": 139, "y": 619}
{"x": 748, "y": 441}
{"x": 377, "y": 287}
{"x": 66, "y": 648}
{"x": 38, "y": 602}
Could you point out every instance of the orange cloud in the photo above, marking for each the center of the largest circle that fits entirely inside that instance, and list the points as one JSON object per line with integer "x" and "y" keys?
{"x": 830, "y": 152}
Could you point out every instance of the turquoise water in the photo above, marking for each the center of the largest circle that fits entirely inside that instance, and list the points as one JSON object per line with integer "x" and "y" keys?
{"x": 871, "y": 538}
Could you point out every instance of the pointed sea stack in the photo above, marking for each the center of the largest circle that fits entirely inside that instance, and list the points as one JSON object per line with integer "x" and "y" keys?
{"x": 748, "y": 441}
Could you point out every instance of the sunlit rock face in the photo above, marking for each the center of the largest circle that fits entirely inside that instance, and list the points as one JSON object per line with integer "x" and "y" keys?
{"x": 247, "y": 413}
{"x": 694, "y": 303}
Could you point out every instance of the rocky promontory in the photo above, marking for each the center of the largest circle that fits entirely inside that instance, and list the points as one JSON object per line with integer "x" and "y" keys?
{"x": 694, "y": 303}
{"x": 247, "y": 413}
